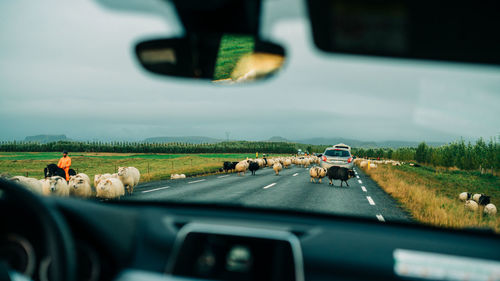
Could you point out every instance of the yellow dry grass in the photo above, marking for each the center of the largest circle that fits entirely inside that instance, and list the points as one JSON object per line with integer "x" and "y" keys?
{"x": 427, "y": 205}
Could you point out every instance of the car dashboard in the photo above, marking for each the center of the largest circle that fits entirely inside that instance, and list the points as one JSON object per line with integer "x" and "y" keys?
{"x": 169, "y": 241}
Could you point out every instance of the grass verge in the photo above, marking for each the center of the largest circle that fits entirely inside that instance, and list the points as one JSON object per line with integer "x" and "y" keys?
{"x": 431, "y": 196}
{"x": 151, "y": 166}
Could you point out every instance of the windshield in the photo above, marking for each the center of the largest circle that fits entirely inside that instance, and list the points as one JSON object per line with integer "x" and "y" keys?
{"x": 337, "y": 153}
{"x": 424, "y": 135}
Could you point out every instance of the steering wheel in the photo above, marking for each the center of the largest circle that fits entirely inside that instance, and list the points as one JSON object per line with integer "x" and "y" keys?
{"x": 55, "y": 233}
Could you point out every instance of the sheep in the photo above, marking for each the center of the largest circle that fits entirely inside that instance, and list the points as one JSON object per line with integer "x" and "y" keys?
{"x": 177, "y": 176}
{"x": 464, "y": 196}
{"x": 338, "y": 173}
{"x": 277, "y": 167}
{"x": 228, "y": 166}
{"x": 363, "y": 164}
{"x": 287, "y": 162}
{"x": 317, "y": 172}
{"x": 130, "y": 177}
{"x": 31, "y": 184}
{"x": 109, "y": 188}
{"x": 373, "y": 166}
{"x": 471, "y": 205}
{"x": 490, "y": 209}
{"x": 99, "y": 177}
{"x": 253, "y": 167}
{"x": 55, "y": 185}
{"x": 482, "y": 199}
{"x": 79, "y": 185}
{"x": 242, "y": 167}
{"x": 270, "y": 162}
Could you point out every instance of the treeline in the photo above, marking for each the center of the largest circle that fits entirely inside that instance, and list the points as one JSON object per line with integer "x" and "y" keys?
{"x": 141, "y": 147}
{"x": 465, "y": 156}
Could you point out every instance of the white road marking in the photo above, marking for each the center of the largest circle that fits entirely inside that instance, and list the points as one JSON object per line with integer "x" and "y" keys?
{"x": 269, "y": 185}
{"x": 363, "y": 188}
{"x": 219, "y": 177}
{"x": 370, "y": 200}
{"x": 380, "y": 218}
{"x": 155, "y": 189}
{"x": 196, "y": 181}
{"x": 360, "y": 181}
{"x": 357, "y": 177}
{"x": 295, "y": 174}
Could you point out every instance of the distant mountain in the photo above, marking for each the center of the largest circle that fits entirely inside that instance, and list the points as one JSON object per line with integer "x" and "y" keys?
{"x": 277, "y": 139}
{"x": 185, "y": 139}
{"x": 332, "y": 141}
{"x": 46, "y": 138}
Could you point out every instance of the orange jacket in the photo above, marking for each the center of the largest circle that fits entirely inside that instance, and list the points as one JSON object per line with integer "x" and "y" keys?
{"x": 64, "y": 163}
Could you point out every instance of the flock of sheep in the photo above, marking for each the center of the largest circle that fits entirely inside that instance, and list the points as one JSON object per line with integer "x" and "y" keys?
{"x": 280, "y": 163}
{"x": 473, "y": 202}
{"x": 106, "y": 186}
{"x": 277, "y": 163}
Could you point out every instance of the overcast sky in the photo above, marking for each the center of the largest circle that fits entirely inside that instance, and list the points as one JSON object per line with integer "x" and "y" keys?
{"x": 66, "y": 67}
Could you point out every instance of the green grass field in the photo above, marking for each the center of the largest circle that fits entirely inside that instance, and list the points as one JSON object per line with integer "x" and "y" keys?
{"x": 151, "y": 166}
{"x": 232, "y": 47}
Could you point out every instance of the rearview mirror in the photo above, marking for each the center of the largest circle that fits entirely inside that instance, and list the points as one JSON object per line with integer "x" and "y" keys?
{"x": 225, "y": 58}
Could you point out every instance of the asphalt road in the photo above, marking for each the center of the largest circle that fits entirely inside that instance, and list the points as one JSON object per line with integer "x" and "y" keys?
{"x": 290, "y": 190}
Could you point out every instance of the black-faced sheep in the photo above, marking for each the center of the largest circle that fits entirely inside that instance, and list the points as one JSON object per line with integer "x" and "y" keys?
{"x": 338, "y": 173}
{"x": 253, "y": 167}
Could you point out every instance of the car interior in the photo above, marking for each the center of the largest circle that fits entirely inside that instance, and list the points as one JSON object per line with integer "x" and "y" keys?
{"x": 49, "y": 238}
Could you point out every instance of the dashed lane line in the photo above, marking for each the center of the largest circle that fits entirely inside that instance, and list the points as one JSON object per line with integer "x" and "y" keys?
{"x": 269, "y": 185}
{"x": 220, "y": 177}
{"x": 196, "y": 181}
{"x": 360, "y": 181}
{"x": 380, "y": 218}
{"x": 296, "y": 174}
{"x": 156, "y": 189}
{"x": 363, "y": 188}
{"x": 370, "y": 200}
{"x": 357, "y": 177}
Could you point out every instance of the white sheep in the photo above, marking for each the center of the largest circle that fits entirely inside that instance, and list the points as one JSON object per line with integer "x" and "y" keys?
{"x": 476, "y": 197}
{"x": 79, "y": 185}
{"x": 277, "y": 167}
{"x": 490, "y": 209}
{"x": 270, "y": 162}
{"x": 84, "y": 176}
{"x": 99, "y": 177}
{"x": 242, "y": 167}
{"x": 130, "y": 177}
{"x": 177, "y": 176}
{"x": 109, "y": 188}
{"x": 55, "y": 186}
{"x": 464, "y": 196}
{"x": 363, "y": 163}
{"x": 287, "y": 162}
{"x": 317, "y": 173}
{"x": 471, "y": 205}
{"x": 373, "y": 166}
{"x": 30, "y": 183}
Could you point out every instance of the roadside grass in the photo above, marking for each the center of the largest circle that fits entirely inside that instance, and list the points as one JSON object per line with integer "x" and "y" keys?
{"x": 232, "y": 48}
{"x": 151, "y": 166}
{"x": 432, "y": 196}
